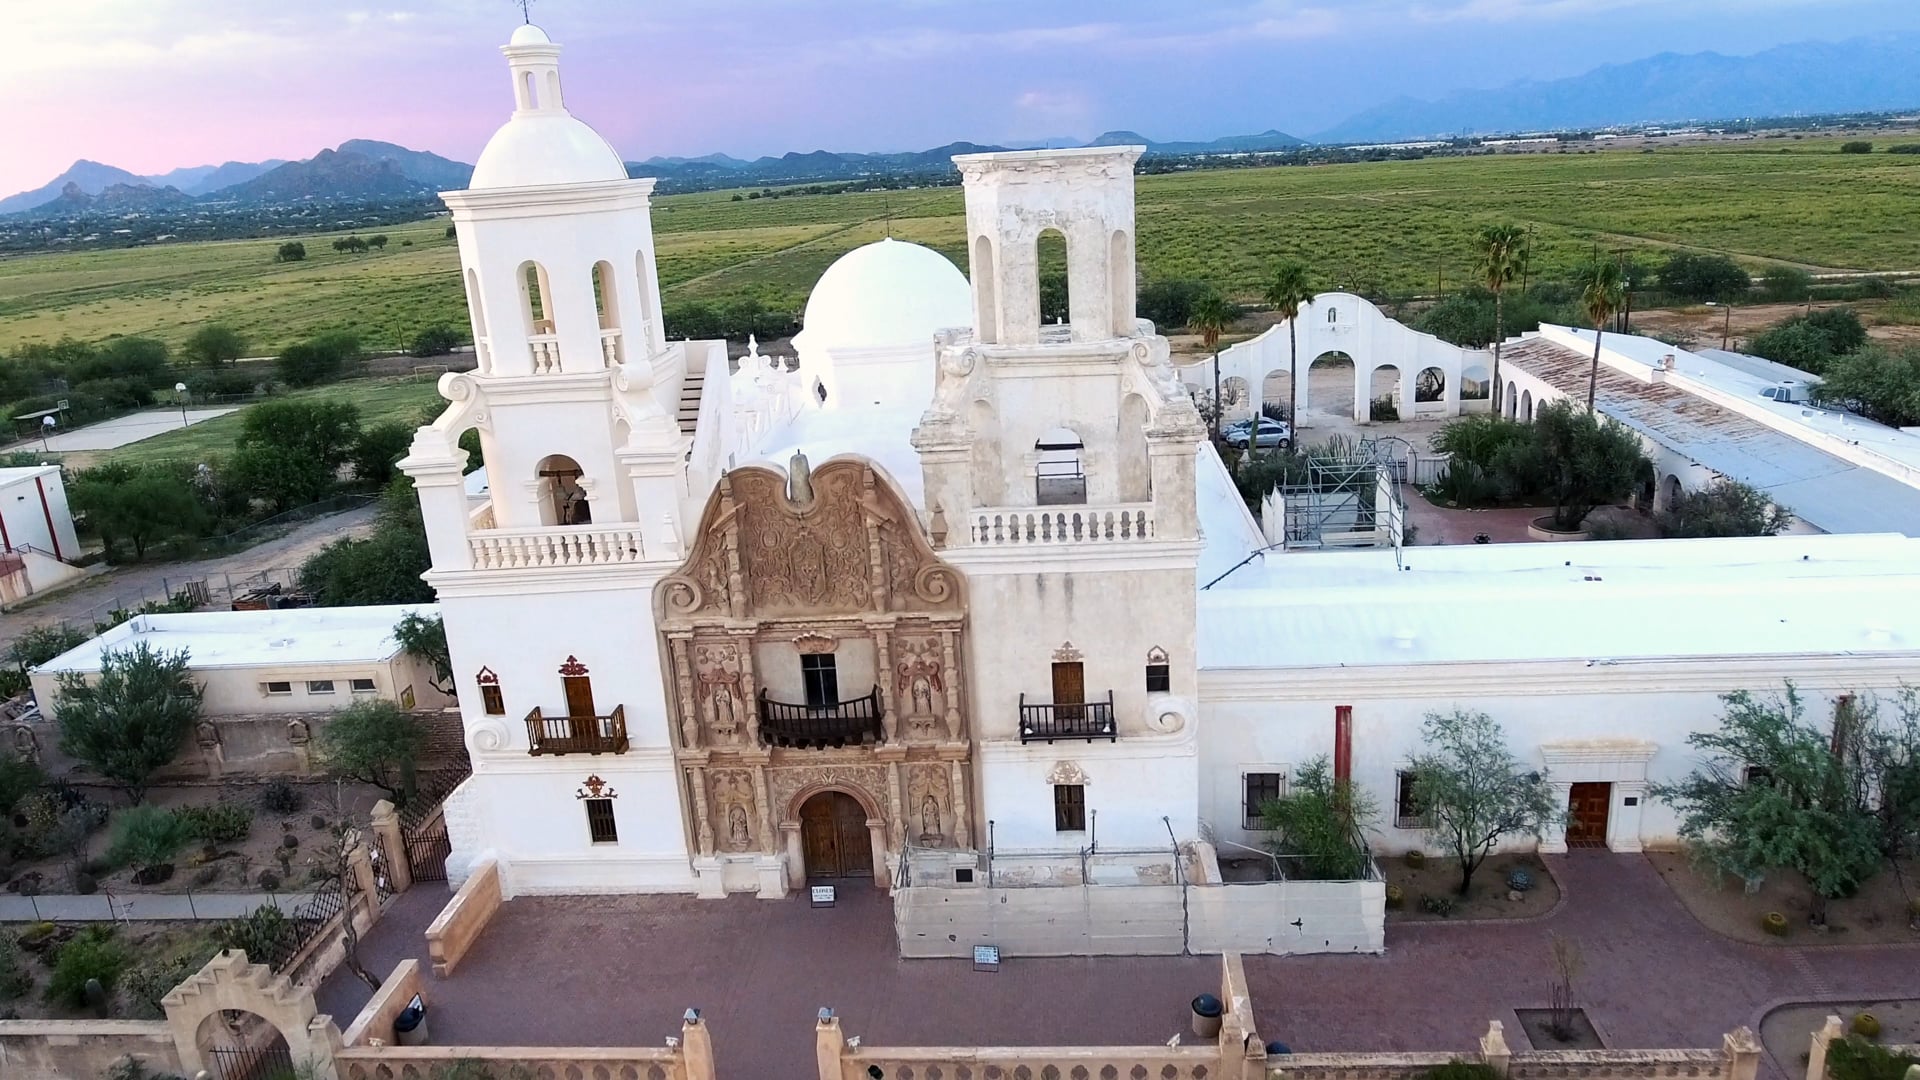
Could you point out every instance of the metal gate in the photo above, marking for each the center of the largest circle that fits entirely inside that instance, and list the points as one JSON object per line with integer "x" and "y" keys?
{"x": 427, "y": 850}
{"x": 259, "y": 1063}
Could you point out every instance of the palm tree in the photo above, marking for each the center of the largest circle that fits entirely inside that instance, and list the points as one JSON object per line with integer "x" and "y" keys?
{"x": 1210, "y": 317}
{"x": 1602, "y": 292}
{"x": 1287, "y": 290}
{"x": 1501, "y": 249}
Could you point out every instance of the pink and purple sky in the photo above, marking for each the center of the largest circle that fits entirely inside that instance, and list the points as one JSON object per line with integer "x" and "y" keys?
{"x": 151, "y": 85}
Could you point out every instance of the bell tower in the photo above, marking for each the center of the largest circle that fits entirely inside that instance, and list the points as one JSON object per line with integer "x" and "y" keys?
{"x": 1058, "y": 467}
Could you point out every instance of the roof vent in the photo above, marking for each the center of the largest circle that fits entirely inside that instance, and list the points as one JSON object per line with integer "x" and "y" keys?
{"x": 280, "y": 643}
{"x": 1403, "y": 639}
{"x": 1666, "y": 362}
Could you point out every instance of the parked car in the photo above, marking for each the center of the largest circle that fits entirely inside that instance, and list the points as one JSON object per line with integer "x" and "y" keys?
{"x": 1274, "y": 434}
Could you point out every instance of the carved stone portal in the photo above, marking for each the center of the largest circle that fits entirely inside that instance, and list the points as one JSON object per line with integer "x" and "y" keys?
{"x": 721, "y": 697}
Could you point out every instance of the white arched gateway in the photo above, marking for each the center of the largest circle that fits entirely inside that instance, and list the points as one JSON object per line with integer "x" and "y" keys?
{"x": 1419, "y": 373}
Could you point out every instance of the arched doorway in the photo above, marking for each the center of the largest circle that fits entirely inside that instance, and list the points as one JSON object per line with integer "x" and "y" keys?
{"x": 834, "y": 838}
{"x": 1329, "y": 386}
{"x": 1526, "y": 405}
{"x": 563, "y": 500}
{"x": 236, "y": 1044}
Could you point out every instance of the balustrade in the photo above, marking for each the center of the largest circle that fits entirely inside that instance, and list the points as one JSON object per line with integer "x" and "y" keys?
{"x": 577, "y": 734}
{"x": 1086, "y": 525}
{"x": 610, "y": 347}
{"x": 546, "y": 353}
{"x": 554, "y": 545}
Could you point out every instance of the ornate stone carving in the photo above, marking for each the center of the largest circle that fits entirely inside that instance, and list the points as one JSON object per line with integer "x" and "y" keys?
{"x": 731, "y": 792}
{"x": 929, "y": 804}
{"x": 298, "y": 734}
{"x": 870, "y": 780}
{"x": 595, "y": 788}
{"x": 1066, "y": 772}
{"x": 1067, "y": 654}
{"x": 815, "y": 643}
{"x": 572, "y": 668}
{"x": 920, "y": 687}
{"x": 489, "y": 736}
{"x": 721, "y": 696}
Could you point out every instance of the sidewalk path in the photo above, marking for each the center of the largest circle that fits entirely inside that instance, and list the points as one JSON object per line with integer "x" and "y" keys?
{"x": 101, "y": 907}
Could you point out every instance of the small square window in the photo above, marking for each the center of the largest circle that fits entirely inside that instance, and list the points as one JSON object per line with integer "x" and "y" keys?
{"x": 363, "y": 686}
{"x": 1261, "y": 788}
{"x": 1407, "y": 812}
{"x": 1159, "y": 678}
{"x": 276, "y": 688}
{"x": 1069, "y": 808}
{"x": 492, "y": 701}
{"x": 600, "y": 827}
{"x": 319, "y": 686}
{"x": 1756, "y": 775}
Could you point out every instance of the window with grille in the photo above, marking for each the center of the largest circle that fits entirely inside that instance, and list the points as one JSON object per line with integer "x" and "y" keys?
{"x": 1261, "y": 788}
{"x": 600, "y": 828}
{"x": 491, "y": 701}
{"x": 319, "y": 686}
{"x": 1159, "y": 678}
{"x": 1407, "y": 811}
{"x": 1069, "y": 808}
{"x": 821, "y": 680}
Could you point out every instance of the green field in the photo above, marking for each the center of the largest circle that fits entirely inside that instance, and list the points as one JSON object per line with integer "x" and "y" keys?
{"x": 1399, "y": 227}
{"x": 408, "y": 398}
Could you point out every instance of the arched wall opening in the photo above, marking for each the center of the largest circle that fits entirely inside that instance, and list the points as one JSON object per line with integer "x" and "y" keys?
{"x": 562, "y": 496}
{"x": 1513, "y": 401}
{"x": 1059, "y": 476}
{"x": 236, "y": 1042}
{"x": 1383, "y": 394}
{"x": 649, "y": 318}
{"x": 1430, "y": 385}
{"x": 1476, "y": 383}
{"x": 529, "y": 94}
{"x": 1673, "y": 492}
{"x": 534, "y": 294}
{"x": 1120, "y": 282}
{"x": 606, "y": 302}
{"x": 1329, "y": 387}
{"x": 1136, "y": 468}
{"x": 553, "y": 100}
{"x": 1526, "y": 405}
{"x": 989, "y": 477}
{"x": 1276, "y": 394}
{"x": 986, "y": 315}
{"x": 1051, "y": 260}
{"x": 477, "y": 318}
{"x": 1236, "y": 399}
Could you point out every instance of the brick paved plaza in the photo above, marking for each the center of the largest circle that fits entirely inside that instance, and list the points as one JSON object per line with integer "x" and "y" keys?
{"x": 612, "y": 971}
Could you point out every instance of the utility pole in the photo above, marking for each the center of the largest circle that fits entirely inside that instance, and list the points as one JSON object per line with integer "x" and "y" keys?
{"x": 1726, "y": 327}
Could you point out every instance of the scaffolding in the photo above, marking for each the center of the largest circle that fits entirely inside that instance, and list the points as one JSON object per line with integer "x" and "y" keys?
{"x": 1346, "y": 495}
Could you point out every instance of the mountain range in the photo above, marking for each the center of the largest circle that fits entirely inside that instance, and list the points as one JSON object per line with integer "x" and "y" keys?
{"x": 1807, "y": 78}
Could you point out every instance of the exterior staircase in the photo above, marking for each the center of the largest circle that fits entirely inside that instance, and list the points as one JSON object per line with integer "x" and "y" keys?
{"x": 691, "y": 386}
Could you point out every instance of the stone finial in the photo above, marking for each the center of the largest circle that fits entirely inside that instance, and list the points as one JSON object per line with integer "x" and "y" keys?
{"x": 799, "y": 481}
{"x": 1494, "y": 1052}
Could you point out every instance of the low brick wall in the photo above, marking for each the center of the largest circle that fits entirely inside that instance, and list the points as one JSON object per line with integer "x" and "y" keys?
{"x": 65, "y": 1049}
{"x": 425, "y": 1062}
{"x": 465, "y": 917}
{"x": 376, "y": 1018}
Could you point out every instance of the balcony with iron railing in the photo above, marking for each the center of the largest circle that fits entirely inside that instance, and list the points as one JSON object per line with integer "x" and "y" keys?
{"x": 1089, "y": 720}
{"x": 844, "y": 723}
{"x": 577, "y": 734}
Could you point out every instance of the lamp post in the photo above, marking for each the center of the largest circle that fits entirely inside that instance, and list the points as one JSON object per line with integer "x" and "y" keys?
{"x": 46, "y": 428}
{"x": 180, "y": 391}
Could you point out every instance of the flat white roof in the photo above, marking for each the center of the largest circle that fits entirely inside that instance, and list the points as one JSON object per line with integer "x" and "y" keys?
{"x": 1596, "y": 601}
{"x": 20, "y": 474}
{"x": 295, "y": 637}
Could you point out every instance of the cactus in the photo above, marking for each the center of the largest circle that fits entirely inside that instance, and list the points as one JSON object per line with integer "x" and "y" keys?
{"x": 1519, "y": 880}
{"x": 1396, "y": 897}
{"x": 1416, "y": 859}
{"x": 1866, "y": 1025}
{"x": 1774, "y": 923}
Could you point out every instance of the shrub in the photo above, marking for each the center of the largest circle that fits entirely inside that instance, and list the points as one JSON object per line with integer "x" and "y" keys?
{"x": 378, "y": 449}
{"x": 18, "y": 779}
{"x": 1519, "y": 880}
{"x": 1437, "y": 904}
{"x": 1784, "y": 283}
{"x": 222, "y": 382}
{"x": 268, "y": 880}
{"x": 1728, "y": 508}
{"x": 260, "y": 933}
{"x": 1382, "y": 409}
{"x": 1774, "y": 923}
{"x": 434, "y": 341}
{"x": 317, "y": 360}
{"x": 214, "y": 345}
{"x": 150, "y": 980}
{"x": 219, "y": 823}
{"x": 1323, "y": 820}
{"x": 94, "y": 954}
{"x": 375, "y": 742}
{"x": 147, "y": 836}
{"x": 1855, "y": 1058}
{"x": 1696, "y": 276}
{"x": 1856, "y": 146}
{"x": 1170, "y": 303}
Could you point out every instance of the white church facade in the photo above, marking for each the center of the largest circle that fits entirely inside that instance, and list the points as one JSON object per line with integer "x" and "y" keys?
{"x": 961, "y": 581}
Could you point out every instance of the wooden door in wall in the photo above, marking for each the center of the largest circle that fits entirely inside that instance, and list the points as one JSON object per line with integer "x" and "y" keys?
{"x": 580, "y": 714}
{"x": 833, "y": 835}
{"x": 1069, "y": 690}
{"x": 1587, "y": 806}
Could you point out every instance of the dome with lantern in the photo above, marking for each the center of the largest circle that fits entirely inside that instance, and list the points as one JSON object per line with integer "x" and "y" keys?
{"x": 543, "y": 144}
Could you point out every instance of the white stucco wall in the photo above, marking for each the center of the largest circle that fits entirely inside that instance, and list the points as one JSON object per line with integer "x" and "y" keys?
{"x": 29, "y": 497}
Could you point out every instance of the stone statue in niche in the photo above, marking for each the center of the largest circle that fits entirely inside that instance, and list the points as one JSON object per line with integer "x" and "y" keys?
{"x": 928, "y": 796}
{"x": 930, "y": 833}
{"x": 722, "y": 706}
{"x": 917, "y": 677}
{"x": 721, "y": 717}
{"x": 922, "y": 696}
{"x": 739, "y": 836}
{"x": 733, "y": 805}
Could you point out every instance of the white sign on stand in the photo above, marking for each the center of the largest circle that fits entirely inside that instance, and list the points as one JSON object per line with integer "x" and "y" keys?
{"x": 986, "y": 958}
{"x": 823, "y": 895}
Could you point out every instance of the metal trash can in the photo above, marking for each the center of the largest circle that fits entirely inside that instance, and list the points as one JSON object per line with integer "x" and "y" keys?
{"x": 1206, "y": 1016}
{"x": 1275, "y": 1049}
{"x": 410, "y": 1027}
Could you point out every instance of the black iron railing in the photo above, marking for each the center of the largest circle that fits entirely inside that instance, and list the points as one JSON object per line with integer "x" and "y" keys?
{"x": 577, "y": 734}
{"x": 1067, "y": 720}
{"x": 843, "y": 723}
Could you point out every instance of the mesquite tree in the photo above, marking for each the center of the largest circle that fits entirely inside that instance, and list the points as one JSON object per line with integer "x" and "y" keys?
{"x": 132, "y": 718}
{"x": 1472, "y": 791}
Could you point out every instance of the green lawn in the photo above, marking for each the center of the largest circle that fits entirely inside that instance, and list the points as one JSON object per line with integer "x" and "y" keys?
{"x": 1397, "y": 227}
{"x": 407, "y": 398}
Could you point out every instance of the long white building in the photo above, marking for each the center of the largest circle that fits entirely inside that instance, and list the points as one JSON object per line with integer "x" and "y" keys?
{"x": 962, "y": 579}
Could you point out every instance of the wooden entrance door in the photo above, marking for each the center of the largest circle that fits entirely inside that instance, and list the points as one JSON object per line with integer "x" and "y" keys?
{"x": 1069, "y": 690}
{"x": 1587, "y": 806}
{"x": 833, "y": 833}
{"x": 580, "y": 722}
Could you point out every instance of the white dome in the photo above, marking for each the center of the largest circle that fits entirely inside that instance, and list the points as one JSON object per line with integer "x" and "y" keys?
{"x": 546, "y": 148}
{"x": 529, "y": 34}
{"x": 889, "y": 292}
